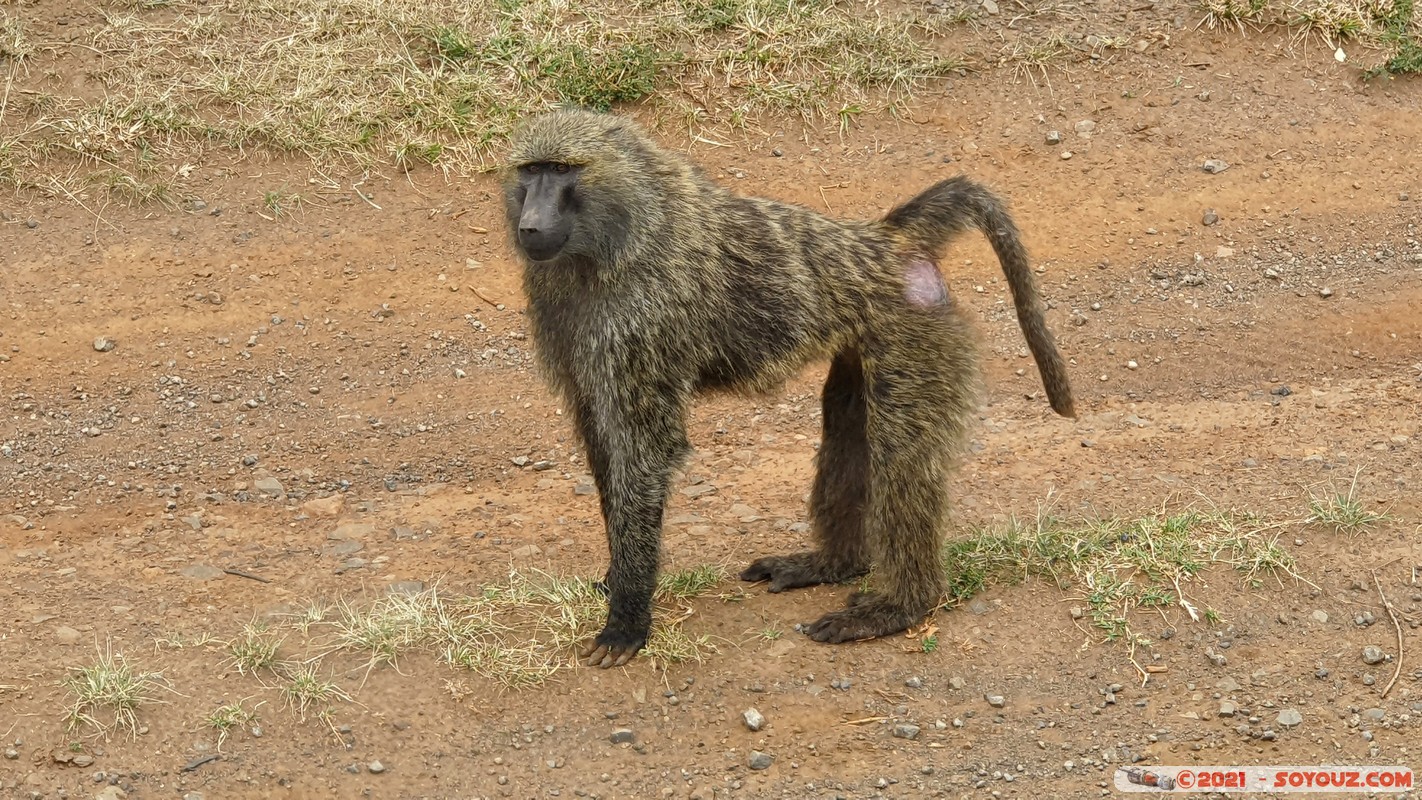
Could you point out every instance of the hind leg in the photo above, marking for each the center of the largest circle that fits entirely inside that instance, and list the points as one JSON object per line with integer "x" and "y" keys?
{"x": 920, "y": 378}
{"x": 838, "y": 497}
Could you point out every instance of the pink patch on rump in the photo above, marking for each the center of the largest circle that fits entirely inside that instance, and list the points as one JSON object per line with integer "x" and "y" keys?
{"x": 923, "y": 286}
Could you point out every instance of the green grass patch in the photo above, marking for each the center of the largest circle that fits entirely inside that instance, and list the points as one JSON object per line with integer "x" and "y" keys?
{"x": 1119, "y": 566}
{"x": 1342, "y": 511}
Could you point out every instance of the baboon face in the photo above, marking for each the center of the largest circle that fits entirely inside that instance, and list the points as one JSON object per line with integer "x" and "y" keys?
{"x": 546, "y": 204}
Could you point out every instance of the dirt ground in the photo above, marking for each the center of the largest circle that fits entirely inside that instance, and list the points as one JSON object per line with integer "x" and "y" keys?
{"x": 376, "y": 351}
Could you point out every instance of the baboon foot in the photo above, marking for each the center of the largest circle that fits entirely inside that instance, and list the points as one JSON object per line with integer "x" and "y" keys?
{"x": 798, "y": 569}
{"x": 614, "y": 647}
{"x": 867, "y": 617}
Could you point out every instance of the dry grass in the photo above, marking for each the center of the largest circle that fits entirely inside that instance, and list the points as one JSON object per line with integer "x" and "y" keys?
{"x": 516, "y": 633}
{"x": 412, "y": 83}
{"x": 108, "y": 692}
{"x": 1391, "y": 30}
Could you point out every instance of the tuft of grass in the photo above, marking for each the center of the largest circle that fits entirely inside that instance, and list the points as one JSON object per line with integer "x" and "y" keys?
{"x": 1119, "y": 566}
{"x": 411, "y": 154}
{"x": 254, "y": 649}
{"x": 313, "y": 613}
{"x": 689, "y": 583}
{"x": 1030, "y": 57}
{"x": 108, "y": 692}
{"x": 1240, "y": 14}
{"x": 281, "y": 202}
{"x": 671, "y": 644}
{"x": 1344, "y": 512}
{"x": 226, "y": 718}
{"x": 129, "y": 189}
{"x": 307, "y": 692}
{"x": 1332, "y": 21}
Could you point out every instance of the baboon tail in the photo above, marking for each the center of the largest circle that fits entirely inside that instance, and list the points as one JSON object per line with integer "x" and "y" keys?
{"x": 952, "y": 205}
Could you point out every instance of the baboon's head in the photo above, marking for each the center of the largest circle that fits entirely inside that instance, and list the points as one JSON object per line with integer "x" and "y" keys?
{"x": 573, "y": 187}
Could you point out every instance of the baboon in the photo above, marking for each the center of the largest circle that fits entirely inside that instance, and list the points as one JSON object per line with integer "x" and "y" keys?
{"x": 648, "y": 283}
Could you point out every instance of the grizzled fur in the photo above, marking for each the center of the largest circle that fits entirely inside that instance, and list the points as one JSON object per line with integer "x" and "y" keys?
{"x": 671, "y": 285}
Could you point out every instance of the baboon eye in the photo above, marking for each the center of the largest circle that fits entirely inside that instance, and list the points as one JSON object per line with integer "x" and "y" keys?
{"x": 560, "y": 168}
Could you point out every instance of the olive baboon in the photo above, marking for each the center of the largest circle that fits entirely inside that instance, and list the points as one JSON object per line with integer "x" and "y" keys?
{"x": 648, "y": 283}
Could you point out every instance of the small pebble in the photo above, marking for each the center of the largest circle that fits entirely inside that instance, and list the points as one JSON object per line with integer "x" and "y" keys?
{"x": 759, "y": 760}
{"x": 375, "y": 767}
{"x": 1214, "y": 166}
{"x": 754, "y": 719}
{"x": 623, "y": 736}
{"x": 104, "y": 344}
{"x": 1290, "y": 717}
{"x": 996, "y": 700}
{"x": 1210, "y": 217}
{"x": 906, "y": 731}
{"x": 1373, "y": 654}
{"x": 914, "y": 683}
{"x": 1054, "y": 137}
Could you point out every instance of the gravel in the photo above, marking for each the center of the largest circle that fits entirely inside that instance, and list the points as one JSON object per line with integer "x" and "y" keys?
{"x": 1372, "y": 654}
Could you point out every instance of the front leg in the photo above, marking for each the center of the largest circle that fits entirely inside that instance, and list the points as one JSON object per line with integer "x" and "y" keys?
{"x": 633, "y": 453}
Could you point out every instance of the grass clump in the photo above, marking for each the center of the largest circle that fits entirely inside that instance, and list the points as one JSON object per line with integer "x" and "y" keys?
{"x": 1119, "y": 566}
{"x": 307, "y": 692}
{"x": 108, "y": 692}
{"x": 1342, "y": 511}
{"x": 281, "y": 202}
{"x": 1239, "y": 14}
{"x": 254, "y": 649}
{"x": 227, "y": 718}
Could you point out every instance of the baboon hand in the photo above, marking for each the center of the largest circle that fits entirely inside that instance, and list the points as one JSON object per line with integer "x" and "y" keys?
{"x": 612, "y": 648}
{"x": 868, "y": 616}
